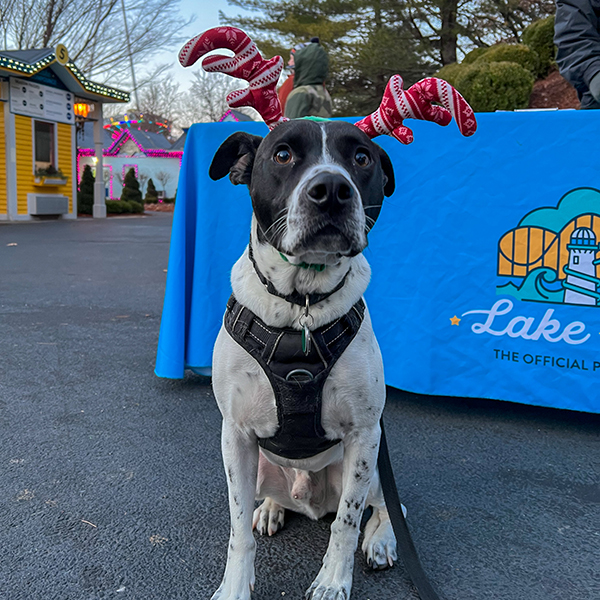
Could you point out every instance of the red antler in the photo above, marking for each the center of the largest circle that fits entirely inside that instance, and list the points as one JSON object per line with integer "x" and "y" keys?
{"x": 246, "y": 64}
{"x": 416, "y": 103}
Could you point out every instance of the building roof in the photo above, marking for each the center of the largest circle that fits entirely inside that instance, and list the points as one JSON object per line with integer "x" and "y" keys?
{"x": 234, "y": 115}
{"x": 85, "y": 136}
{"x": 180, "y": 142}
{"x": 26, "y": 63}
{"x": 27, "y": 56}
{"x": 148, "y": 143}
{"x": 150, "y": 140}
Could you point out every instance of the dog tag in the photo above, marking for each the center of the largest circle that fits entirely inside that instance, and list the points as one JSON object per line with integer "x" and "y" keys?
{"x": 306, "y": 340}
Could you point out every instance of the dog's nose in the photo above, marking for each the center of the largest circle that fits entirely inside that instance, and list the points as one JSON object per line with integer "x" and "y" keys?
{"x": 329, "y": 189}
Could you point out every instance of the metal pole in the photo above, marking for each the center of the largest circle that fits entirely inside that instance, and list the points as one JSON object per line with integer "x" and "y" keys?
{"x": 135, "y": 91}
{"x": 99, "y": 210}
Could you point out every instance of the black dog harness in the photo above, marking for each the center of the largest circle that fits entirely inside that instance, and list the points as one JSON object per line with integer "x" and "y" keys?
{"x": 297, "y": 378}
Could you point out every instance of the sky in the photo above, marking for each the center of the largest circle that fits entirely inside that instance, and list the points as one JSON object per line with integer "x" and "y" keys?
{"x": 207, "y": 16}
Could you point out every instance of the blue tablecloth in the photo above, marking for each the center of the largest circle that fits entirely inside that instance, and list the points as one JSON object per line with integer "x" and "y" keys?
{"x": 469, "y": 295}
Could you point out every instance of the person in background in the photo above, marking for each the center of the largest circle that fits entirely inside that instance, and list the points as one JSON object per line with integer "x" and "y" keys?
{"x": 577, "y": 36}
{"x": 288, "y": 85}
{"x": 309, "y": 98}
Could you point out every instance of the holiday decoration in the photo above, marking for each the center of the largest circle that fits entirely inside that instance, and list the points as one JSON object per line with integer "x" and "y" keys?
{"x": 246, "y": 64}
{"x": 137, "y": 121}
{"x": 418, "y": 102}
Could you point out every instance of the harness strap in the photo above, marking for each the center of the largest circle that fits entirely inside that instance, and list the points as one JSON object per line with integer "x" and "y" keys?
{"x": 297, "y": 379}
{"x": 295, "y": 297}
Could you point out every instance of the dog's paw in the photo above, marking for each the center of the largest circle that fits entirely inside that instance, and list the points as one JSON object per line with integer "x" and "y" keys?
{"x": 239, "y": 577}
{"x": 268, "y": 517}
{"x": 319, "y": 591}
{"x": 379, "y": 544}
{"x": 229, "y": 591}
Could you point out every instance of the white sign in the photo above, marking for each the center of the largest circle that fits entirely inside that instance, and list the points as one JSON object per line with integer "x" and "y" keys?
{"x": 36, "y": 100}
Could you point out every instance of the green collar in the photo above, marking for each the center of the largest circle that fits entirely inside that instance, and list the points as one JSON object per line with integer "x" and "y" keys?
{"x": 304, "y": 265}
{"x": 318, "y": 119}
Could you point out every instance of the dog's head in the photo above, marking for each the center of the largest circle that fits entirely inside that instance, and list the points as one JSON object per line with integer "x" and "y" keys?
{"x": 316, "y": 187}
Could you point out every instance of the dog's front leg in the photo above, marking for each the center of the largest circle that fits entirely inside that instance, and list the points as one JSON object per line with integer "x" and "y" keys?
{"x": 240, "y": 458}
{"x": 334, "y": 580}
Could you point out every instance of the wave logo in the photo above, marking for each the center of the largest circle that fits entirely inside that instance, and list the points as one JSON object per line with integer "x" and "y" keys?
{"x": 551, "y": 255}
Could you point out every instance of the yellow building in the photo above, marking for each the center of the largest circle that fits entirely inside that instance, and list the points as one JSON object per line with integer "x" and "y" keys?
{"x": 40, "y": 93}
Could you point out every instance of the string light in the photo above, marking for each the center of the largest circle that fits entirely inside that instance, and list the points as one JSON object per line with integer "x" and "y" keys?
{"x": 134, "y": 121}
{"x": 18, "y": 66}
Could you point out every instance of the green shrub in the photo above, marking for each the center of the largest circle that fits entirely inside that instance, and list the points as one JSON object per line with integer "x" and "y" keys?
{"x": 131, "y": 188}
{"x": 514, "y": 53}
{"x": 136, "y": 207}
{"x": 114, "y": 207}
{"x": 151, "y": 193}
{"x": 474, "y": 55}
{"x": 450, "y": 73}
{"x": 490, "y": 86}
{"x": 85, "y": 194}
{"x": 539, "y": 36}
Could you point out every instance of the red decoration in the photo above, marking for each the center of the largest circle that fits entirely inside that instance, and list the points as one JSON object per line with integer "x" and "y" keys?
{"x": 246, "y": 64}
{"x": 417, "y": 103}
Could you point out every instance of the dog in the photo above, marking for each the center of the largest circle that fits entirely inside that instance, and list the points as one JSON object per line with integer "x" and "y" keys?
{"x": 317, "y": 189}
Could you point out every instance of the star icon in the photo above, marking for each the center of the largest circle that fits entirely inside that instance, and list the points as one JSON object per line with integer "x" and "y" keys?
{"x": 454, "y": 320}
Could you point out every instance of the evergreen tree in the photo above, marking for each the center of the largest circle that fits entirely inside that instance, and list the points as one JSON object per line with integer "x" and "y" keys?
{"x": 368, "y": 41}
{"x": 151, "y": 193}
{"x": 131, "y": 188}
{"x": 85, "y": 194}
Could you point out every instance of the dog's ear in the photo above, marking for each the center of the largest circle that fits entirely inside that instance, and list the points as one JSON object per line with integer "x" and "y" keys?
{"x": 389, "y": 184}
{"x": 236, "y": 157}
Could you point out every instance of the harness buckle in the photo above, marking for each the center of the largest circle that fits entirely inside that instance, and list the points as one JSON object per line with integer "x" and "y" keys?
{"x": 299, "y": 376}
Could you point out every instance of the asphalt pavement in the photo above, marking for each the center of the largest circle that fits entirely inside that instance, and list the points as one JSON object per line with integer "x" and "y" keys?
{"x": 111, "y": 484}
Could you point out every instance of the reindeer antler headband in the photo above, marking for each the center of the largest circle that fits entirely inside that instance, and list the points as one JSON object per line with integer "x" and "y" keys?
{"x": 263, "y": 75}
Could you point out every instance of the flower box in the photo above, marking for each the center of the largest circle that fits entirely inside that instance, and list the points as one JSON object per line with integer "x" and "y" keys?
{"x": 50, "y": 181}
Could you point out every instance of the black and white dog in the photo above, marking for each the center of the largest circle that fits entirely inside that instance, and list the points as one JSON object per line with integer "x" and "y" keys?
{"x": 301, "y": 423}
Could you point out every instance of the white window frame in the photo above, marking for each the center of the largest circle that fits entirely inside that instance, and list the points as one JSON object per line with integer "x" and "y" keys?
{"x": 54, "y": 140}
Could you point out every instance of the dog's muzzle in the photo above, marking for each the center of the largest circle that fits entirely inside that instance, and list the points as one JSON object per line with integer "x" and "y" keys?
{"x": 329, "y": 192}
{"x": 329, "y": 209}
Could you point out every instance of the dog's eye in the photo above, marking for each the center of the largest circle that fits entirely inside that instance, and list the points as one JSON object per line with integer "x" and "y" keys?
{"x": 283, "y": 157}
{"x": 362, "y": 159}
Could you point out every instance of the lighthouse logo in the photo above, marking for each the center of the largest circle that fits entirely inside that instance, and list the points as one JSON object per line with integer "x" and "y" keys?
{"x": 551, "y": 255}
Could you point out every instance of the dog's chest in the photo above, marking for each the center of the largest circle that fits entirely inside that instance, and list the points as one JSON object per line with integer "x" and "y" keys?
{"x": 352, "y": 396}
{"x": 297, "y": 370}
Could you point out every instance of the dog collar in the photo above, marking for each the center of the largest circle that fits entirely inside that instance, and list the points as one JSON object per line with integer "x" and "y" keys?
{"x": 295, "y": 297}
{"x": 303, "y": 265}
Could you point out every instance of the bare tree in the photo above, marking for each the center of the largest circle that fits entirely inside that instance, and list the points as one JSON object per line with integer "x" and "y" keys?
{"x": 7, "y": 9}
{"x": 118, "y": 177}
{"x": 142, "y": 179}
{"x": 160, "y": 97}
{"x": 164, "y": 177}
{"x": 93, "y": 31}
{"x": 205, "y": 101}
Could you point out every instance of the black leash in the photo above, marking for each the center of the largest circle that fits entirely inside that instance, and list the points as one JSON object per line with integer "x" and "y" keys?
{"x": 406, "y": 547}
